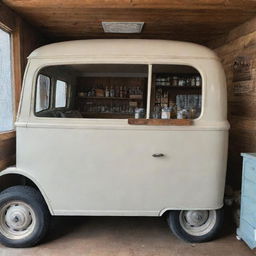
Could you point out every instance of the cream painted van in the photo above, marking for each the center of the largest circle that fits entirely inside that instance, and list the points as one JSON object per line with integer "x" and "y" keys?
{"x": 118, "y": 128}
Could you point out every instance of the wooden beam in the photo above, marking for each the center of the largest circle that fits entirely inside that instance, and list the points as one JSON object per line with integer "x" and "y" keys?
{"x": 118, "y": 4}
{"x": 17, "y": 61}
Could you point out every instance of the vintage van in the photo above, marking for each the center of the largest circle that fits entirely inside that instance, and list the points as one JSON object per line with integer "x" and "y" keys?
{"x": 118, "y": 128}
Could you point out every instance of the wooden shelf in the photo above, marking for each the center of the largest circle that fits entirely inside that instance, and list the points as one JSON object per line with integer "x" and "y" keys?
{"x": 106, "y": 98}
{"x": 107, "y": 115}
{"x": 177, "y": 122}
{"x": 180, "y": 87}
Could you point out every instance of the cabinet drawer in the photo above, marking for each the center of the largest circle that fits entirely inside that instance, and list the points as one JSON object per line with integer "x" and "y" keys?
{"x": 248, "y": 210}
{"x": 250, "y": 170}
{"x": 247, "y": 233}
{"x": 249, "y": 189}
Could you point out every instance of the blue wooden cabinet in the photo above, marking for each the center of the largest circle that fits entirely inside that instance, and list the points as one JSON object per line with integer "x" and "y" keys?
{"x": 247, "y": 228}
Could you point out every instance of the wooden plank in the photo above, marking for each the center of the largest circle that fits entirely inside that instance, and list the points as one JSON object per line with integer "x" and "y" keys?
{"x": 164, "y": 19}
{"x": 242, "y": 124}
{"x": 169, "y": 122}
{"x": 174, "y": 4}
{"x": 7, "y": 135}
{"x": 17, "y": 61}
{"x": 7, "y": 148}
{"x": 106, "y": 115}
{"x": 7, "y": 162}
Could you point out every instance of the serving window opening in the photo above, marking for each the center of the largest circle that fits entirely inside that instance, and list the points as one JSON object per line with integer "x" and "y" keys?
{"x": 176, "y": 92}
{"x": 119, "y": 91}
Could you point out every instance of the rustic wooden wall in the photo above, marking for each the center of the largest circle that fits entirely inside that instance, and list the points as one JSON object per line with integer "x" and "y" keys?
{"x": 25, "y": 39}
{"x": 195, "y": 21}
{"x": 237, "y": 51}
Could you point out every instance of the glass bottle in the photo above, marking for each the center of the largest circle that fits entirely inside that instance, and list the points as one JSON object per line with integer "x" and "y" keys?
{"x": 166, "y": 113}
{"x": 188, "y": 82}
{"x": 175, "y": 81}
{"x": 121, "y": 92}
{"x": 193, "y": 81}
{"x": 198, "y": 81}
{"x": 107, "y": 93}
{"x": 117, "y": 92}
{"x": 126, "y": 92}
{"x": 112, "y": 92}
{"x": 93, "y": 92}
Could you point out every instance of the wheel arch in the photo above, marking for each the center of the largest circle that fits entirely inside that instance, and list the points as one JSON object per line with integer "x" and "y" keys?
{"x": 165, "y": 211}
{"x": 13, "y": 176}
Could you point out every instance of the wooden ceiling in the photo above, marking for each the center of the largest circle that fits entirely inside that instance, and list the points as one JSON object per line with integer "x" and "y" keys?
{"x": 196, "y": 21}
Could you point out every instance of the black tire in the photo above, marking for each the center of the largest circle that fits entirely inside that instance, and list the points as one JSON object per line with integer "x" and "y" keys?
{"x": 27, "y": 202}
{"x": 211, "y": 231}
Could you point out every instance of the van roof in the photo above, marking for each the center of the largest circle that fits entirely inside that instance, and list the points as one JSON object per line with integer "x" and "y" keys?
{"x": 123, "y": 47}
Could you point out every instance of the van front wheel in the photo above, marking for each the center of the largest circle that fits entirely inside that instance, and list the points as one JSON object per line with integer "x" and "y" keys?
{"x": 24, "y": 216}
{"x": 196, "y": 226}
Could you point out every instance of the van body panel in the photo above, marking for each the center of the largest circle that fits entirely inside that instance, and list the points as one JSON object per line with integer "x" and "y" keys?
{"x": 88, "y": 171}
{"x": 105, "y": 167}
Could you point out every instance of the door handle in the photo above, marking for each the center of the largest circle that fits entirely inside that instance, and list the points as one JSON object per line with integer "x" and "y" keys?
{"x": 158, "y": 155}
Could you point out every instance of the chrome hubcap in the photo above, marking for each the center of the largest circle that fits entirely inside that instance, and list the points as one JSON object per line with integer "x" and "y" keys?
{"x": 197, "y": 222}
{"x": 18, "y": 217}
{"x": 17, "y": 220}
{"x": 196, "y": 218}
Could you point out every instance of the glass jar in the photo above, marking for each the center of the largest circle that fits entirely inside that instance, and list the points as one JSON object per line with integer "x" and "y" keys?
{"x": 175, "y": 81}
{"x": 166, "y": 113}
{"x": 192, "y": 113}
{"x": 198, "y": 81}
{"x": 182, "y": 114}
{"x": 179, "y": 114}
{"x": 180, "y": 82}
{"x": 193, "y": 81}
{"x": 139, "y": 113}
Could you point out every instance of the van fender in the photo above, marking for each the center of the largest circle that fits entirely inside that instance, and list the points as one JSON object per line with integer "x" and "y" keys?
{"x": 15, "y": 170}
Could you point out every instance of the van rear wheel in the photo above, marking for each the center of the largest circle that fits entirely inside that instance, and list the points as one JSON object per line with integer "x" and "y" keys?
{"x": 24, "y": 217}
{"x": 196, "y": 226}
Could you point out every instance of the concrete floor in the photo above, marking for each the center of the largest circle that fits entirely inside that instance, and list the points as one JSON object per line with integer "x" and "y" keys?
{"x": 124, "y": 236}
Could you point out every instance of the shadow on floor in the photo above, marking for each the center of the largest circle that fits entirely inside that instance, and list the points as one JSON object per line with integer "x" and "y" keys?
{"x": 95, "y": 226}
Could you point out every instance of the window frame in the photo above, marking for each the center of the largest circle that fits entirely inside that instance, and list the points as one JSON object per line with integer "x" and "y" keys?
{"x": 67, "y": 94}
{"x": 202, "y": 84}
{"x": 149, "y": 86}
{"x": 13, "y": 75}
{"x": 50, "y": 94}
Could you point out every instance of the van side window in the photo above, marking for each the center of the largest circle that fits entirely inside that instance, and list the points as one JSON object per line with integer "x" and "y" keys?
{"x": 98, "y": 91}
{"x": 61, "y": 94}
{"x": 43, "y": 93}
